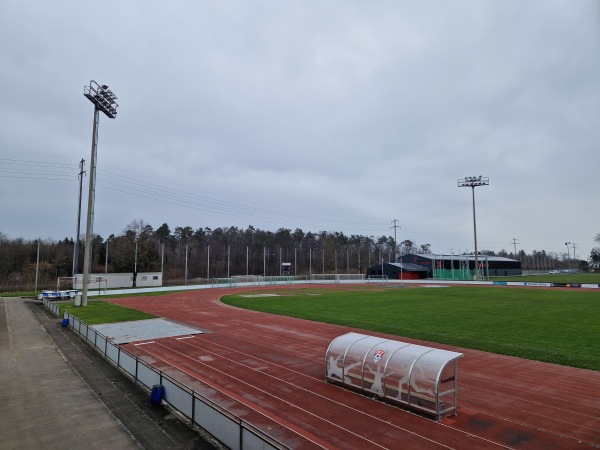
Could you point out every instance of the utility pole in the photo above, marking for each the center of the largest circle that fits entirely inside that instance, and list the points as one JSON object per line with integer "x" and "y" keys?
{"x": 37, "y": 264}
{"x": 347, "y": 261}
{"x": 515, "y": 243}
{"x": 76, "y": 249}
{"x": 135, "y": 239}
{"x": 186, "y": 263}
{"x": 395, "y": 226}
{"x": 335, "y": 256}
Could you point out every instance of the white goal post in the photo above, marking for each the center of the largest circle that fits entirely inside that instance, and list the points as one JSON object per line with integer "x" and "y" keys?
{"x": 337, "y": 278}
{"x": 378, "y": 279}
{"x": 66, "y": 281}
{"x": 98, "y": 281}
{"x": 351, "y": 277}
{"x": 249, "y": 279}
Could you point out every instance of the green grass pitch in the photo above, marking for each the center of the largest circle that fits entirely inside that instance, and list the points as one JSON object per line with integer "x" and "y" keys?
{"x": 557, "y": 326}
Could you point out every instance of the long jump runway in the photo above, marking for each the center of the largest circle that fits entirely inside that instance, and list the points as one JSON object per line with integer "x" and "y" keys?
{"x": 270, "y": 371}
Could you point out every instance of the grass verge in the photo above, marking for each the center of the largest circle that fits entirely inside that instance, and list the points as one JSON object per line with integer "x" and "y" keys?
{"x": 98, "y": 311}
{"x": 581, "y": 278}
{"x": 19, "y": 294}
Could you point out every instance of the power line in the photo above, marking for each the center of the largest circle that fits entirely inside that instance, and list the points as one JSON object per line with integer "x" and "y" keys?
{"x": 182, "y": 196}
{"x": 37, "y": 170}
{"x": 26, "y": 162}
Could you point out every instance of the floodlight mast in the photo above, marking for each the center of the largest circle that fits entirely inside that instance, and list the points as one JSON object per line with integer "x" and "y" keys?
{"x": 569, "y": 255}
{"x": 104, "y": 101}
{"x": 473, "y": 182}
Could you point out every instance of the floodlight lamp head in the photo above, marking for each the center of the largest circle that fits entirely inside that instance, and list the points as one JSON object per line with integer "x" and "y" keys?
{"x": 473, "y": 181}
{"x": 102, "y": 98}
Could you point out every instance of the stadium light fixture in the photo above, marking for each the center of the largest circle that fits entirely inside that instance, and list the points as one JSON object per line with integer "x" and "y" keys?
{"x": 569, "y": 255}
{"x": 473, "y": 182}
{"x": 104, "y": 101}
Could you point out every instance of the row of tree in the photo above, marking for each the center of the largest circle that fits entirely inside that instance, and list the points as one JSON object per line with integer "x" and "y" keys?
{"x": 186, "y": 255}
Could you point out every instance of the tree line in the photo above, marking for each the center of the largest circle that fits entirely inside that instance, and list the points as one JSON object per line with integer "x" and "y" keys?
{"x": 187, "y": 255}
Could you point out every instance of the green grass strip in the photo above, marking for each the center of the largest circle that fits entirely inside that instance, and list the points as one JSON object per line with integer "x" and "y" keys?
{"x": 19, "y": 294}
{"x": 558, "y": 326}
{"x": 98, "y": 311}
{"x": 581, "y": 278}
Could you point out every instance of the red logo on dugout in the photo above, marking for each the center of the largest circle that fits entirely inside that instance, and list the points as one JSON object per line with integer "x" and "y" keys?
{"x": 377, "y": 355}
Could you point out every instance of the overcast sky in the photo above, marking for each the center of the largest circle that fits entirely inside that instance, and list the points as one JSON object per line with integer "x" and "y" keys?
{"x": 320, "y": 115}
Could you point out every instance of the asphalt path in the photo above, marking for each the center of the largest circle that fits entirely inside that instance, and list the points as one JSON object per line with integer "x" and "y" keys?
{"x": 59, "y": 393}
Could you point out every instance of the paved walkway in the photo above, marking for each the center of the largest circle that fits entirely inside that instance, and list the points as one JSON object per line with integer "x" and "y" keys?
{"x": 56, "y": 392}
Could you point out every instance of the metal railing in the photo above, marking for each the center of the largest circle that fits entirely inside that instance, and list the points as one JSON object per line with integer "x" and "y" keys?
{"x": 224, "y": 426}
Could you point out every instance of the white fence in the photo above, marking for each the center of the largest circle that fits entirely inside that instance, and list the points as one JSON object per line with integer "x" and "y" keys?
{"x": 229, "y": 429}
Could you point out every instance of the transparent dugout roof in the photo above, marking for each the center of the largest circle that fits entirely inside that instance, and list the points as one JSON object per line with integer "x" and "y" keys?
{"x": 418, "y": 376}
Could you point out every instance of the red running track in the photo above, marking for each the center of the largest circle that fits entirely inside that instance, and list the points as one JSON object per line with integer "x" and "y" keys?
{"x": 270, "y": 371}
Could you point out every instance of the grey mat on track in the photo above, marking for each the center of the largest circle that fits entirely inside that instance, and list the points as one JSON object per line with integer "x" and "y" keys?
{"x": 142, "y": 330}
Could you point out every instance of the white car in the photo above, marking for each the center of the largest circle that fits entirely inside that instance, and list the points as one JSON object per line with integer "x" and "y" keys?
{"x": 554, "y": 272}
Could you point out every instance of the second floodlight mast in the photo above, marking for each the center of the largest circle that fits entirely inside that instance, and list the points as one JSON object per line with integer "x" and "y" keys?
{"x": 104, "y": 101}
{"x": 473, "y": 182}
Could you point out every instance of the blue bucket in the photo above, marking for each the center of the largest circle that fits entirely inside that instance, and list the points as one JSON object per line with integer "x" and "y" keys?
{"x": 156, "y": 395}
{"x": 65, "y": 322}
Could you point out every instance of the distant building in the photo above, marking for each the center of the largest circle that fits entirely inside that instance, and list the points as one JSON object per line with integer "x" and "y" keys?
{"x": 449, "y": 267}
{"x": 120, "y": 280}
{"x": 398, "y": 271}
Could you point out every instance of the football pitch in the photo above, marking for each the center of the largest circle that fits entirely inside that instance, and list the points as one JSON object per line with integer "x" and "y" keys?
{"x": 559, "y": 326}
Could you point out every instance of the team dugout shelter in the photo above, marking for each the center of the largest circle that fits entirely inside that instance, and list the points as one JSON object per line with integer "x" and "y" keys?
{"x": 410, "y": 375}
{"x": 446, "y": 267}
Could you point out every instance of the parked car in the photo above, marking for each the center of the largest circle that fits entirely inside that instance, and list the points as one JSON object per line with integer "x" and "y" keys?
{"x": 554, "y": 272}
